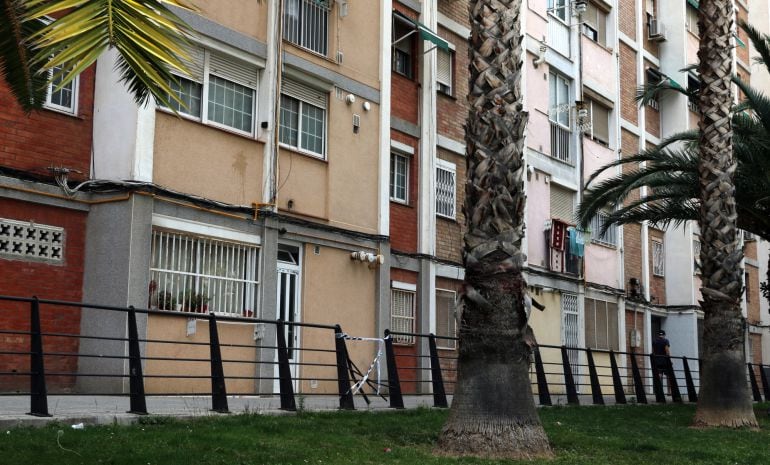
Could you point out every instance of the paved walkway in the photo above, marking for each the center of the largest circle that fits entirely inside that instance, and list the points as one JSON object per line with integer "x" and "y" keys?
{"x": 112, "y": 409}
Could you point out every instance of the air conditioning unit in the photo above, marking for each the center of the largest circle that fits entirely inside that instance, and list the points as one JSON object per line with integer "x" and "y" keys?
{"x": 657, "y": 32}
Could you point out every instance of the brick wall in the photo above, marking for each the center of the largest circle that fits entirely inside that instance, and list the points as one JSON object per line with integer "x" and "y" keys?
{"x": 59, "y": 282}
{"x": 449, "y": 233}
{"x": 456, "y": 10}
{"x": 752, "y": 293}
{"x": 627, "y": 17}
{"x": 632, "y": 248}
{"x": 452, "y": 111}
{"x": 403, "y": 217}
{"x": 405, "y": 353}
{"x": 404, "y": 100}
{"x": 756, "y": 351}
{"x": 651, "y": 115}
{"x": 750, "y": 249}
{"x": 47, "y": 138}
{"x": 628, "y": 105}
{"x": 657, "y": 283}
{"x": 742, "y": 52}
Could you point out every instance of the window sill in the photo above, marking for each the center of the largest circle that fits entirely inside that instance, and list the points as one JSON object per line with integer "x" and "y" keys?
{"x": 62, "y": 111}
{"x": 309, "y": 51}
{"x": 208, "y": 124}
{"x": 401, "y": 203}
{"x": 446, "y": 218}
{"x": 304, "y": 153}
{"x": 449, "y": 95}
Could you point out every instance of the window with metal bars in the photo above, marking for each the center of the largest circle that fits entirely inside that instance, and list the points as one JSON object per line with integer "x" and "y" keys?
{"x": 201, "y": 275}
{"x": 609, "y": 237}
{"x": 446, "y": 318}
{"x": 601, "y": 324}
{"x": 402, "y": 315}
{"x": 446, "y": 187}
{"x": 306, "y": 24}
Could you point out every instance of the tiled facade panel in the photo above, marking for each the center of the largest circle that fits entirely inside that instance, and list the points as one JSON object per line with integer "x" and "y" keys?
{"x": 628, "y": 105}
{"x": 47, "y": 138}
{"x": 657, "y": 283}
{"x": 47, "y": 281}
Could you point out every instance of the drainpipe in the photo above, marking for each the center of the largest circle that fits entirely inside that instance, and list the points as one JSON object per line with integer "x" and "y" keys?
{"x": 273, "y": 77}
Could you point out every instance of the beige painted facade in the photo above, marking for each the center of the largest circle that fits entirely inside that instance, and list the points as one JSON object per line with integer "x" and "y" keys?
{"x": 244, "y": 16}
{"x": 206, "y": 161}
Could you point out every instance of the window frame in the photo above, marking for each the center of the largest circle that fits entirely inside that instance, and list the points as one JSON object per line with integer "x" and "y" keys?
{"x": 608, "y": 239}
{"x": 441, "y": 343}
{"x": 553, "y": 113}
{"x": 407, "y": 162}
{"x": 74, "y": 86}
{"x": 591, "y": 104}
{"x": 590, "y": 316}
{"x": 409, "y": 51}
{"x": 204, "y": 80}
{"x": 553, "y": 8}
{"x": 446, "y": 88}
{"x": 659, "y": 262}
{"x": 451, "y": 168}
{"x": 411, "y": 321}
{"x": 301, "y": 28}
{"x": 302, "y": 104}
{"x": 597, "y": 29}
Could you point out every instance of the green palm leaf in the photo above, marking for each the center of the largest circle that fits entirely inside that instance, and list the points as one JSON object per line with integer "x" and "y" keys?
{"x": 25, "y": 78}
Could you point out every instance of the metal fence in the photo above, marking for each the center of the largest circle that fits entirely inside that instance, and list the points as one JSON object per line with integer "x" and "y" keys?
{"x": 271, "y": 364}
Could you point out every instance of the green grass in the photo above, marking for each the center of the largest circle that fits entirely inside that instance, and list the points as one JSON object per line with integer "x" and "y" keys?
{"x": 634, "y": 435}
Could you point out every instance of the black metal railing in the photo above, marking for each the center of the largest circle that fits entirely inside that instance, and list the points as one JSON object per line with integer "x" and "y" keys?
{"x": 273, "y": 362}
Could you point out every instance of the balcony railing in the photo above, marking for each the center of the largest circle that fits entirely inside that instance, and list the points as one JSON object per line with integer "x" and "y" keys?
{"x": 558, "y": 36}
{"x": 560, "y": 143}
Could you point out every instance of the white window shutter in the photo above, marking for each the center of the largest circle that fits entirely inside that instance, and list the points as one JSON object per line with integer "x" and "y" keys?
{"x": 444, "y": 67}
{"x": 193, "y": 63}
{"x": 562, "y": 204}
{"x": 302, "y": 92}
{"x": 233, "y": 70}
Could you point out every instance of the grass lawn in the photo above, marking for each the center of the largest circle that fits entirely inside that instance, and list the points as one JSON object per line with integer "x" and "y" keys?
{"x": 634, "y": 435}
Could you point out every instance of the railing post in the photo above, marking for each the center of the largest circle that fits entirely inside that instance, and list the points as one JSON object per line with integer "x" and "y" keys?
{"x": 569, "y": 380}
{"x": 676, "y": 396}
{"x": 617, "y": 384}
{"x": 439, "y": 394}
{"x": 38, "y": 396}
{"x": 542, "y": 381}
{"x": 692, "y": 395}
{"x": 754, "y": 386}
{"x": 657, "y": 385}
{"x": 765, "y": 385}
{"x": 285, "y": 382}
{"x": 138, "y": 403}
{"x": 343, "y": 381}
{"x": 596, "y": 388}
{"x": 394, "y": 385}
{"x": 641, "y": 395}
{"x": 218, "y": 390}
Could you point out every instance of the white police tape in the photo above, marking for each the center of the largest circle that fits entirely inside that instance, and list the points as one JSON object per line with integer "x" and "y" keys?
{"x": 375, "y": 363}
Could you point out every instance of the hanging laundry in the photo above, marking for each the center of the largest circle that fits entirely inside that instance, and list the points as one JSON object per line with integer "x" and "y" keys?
{"x": 558, "y": 231}
{"x": 579, "y": 242}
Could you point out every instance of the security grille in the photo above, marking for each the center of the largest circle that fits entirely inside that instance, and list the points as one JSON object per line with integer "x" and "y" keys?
{"x": 571, "y": 331}
{"x": 306, "y": 23}
{"x": 446, "y": 319}
{"x": 402, "y": 315}
{"x": 195, "y": 274}
{"x": 22, "y": 240}
{"x": 445, "y": 190}
{"x": 610, "y": 237}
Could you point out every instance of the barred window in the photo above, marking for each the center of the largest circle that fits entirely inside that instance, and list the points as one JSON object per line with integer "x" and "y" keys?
{"x": 601, "y": 324}
{"x": 446, "y": 318}
{"x": 658, "y": 259}
{"x": 446, "y": 184}
{"x": 306, "y": 23}
{"x": 197, "y": 274}
{"x": 610, "y": 237}
{"x": 402, "y": 314}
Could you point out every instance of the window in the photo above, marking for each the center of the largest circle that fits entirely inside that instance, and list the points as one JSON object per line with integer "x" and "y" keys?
{"x": 693, "y": 86}
{"x": 399, "y": 177}
{"x": 610, "y": 237}
{"x": 402, "y": 312}
{"x": 562, "y": 203}
{"x": 601, "y": 324}
{"x": 696, "y": 255}
{"x": 600, "y": 122}
{"x": 65, "y": 98}
{"x": 21, "y": 240}
{"x": 306, "y": 23}
{"x": 691, "y": 20}
{"x": 445, "y": 60}
{"x": 224, "y": 97}
{"x": 403, "y": 47}
{"x": 303, "y": 118}
{"x": 595, "y": 24}
{"x": 446, "y": 318}
{"x": 196, "y": 274}
{"x": 559, "y": 110}
{"x": 446, "y": 184}
{"x": 658, "y": 259}
{"x": 559, "y": 8}
{"x": 653, "y": 77}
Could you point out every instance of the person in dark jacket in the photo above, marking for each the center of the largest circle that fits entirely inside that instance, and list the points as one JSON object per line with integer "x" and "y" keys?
{"x": 661, "y": 350}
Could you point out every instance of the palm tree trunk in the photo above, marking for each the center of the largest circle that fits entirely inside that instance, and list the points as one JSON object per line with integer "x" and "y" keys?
{"x": 493, "y": 413}
{"x": 724, "y": 399}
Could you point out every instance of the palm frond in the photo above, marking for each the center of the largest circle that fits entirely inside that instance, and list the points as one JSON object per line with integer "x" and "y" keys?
{"x": 760, "y": 41}
{"x": 25, "y": 79}
{"x": 149, "y": 37}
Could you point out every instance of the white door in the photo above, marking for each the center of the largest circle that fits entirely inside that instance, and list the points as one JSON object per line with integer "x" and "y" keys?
{"x": 288, "y": 302}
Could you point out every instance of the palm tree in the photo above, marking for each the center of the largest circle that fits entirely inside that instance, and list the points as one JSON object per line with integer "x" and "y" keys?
{"x": 724, "y": 398}
{"x": 34, "y": 51}
{"x": 493, "y": 413}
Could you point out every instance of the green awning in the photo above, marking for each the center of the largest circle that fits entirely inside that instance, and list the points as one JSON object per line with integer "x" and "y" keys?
{"x": 432, "y": 37}
{"x": 424, "y": 31}
{"x": 694, "y": 3}
{"x": 738, "y": 41}
{"x": 675, "y": 84}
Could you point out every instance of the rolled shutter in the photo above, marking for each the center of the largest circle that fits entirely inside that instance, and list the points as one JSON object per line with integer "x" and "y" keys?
{"x": 233, "y": 70}
{"x": 193, "y": 63}
{"x": 562, "y": 204}
{"x": 302, "y": 92}
{"x": 444, "y": 67}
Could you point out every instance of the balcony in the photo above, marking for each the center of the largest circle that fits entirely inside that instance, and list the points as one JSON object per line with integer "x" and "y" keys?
{"x": 560, "y": 143}
{"x": 558, "y": 35}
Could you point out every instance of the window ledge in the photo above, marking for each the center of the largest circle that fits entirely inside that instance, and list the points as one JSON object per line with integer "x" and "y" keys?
{"x": 304, "y": 153}
{"x": 219, "y": 127}
{"x": 61, "y": 111}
